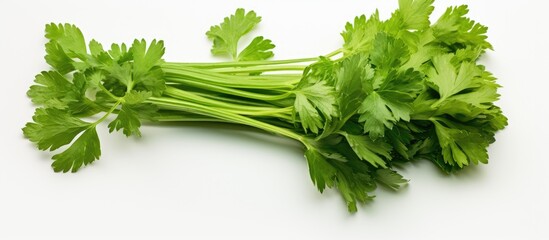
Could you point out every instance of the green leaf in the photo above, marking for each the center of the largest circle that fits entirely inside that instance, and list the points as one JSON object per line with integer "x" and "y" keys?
{"x": 226, "y": 35}
{"x": 353, "y": 72}
{"x": 461, "y": 147}
{"x": 415, "y": 13}
{"x": 390, "y": 178}
{"x": 307, "y": 113}
{"x": 55, "y": 91}
{"x": 312, "y": 100}
{"x": 135, "y": 97}
{"x": 322, "y": 97}
{"x": 52, "y": 90}
{"x": 53, "y": 128}
{"x": 468, "y": 54}
{"x": 444, "y": 78}
{"x": 321, "y": 172}
{"x": 95, "y": 48}
{"x": 120, "y": 53}
{"x": 454, "y": 29}
{"x": 58, "y": 59}
{"x": 352, "y": 179}
{"x": 376, "y": 116}
{"x": 369, "y": 150}
{"x": 426, "y": 50}
{"x": 144, "y": 59}
{"x": 258, "y": 49}
{"x": 388, "y": 52}
{"x": 121, "y": 72}
{"x": 83, "y": 151}
{"x": 349, "y": 91}
{"x": 128, "y": 120}
{"x": 152, "y": 81}
{"x": 495, "y": 119}
{"x": 359, "y": 35}
{"x": 145, "y": 73}
{"x": 400, "y": 138}
{"x": 132, "y": 110}
{"x": 324, "y": 69}
{"x": 83, "y": 106}
{"x": 481, "y": 97}
{"x": 69, "y": 37}
{"x": 459, "y": 110}
{"x": 389, "y": 102}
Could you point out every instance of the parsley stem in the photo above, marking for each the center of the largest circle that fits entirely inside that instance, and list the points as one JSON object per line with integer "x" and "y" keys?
{"x": 253, "y": 69}
{"x": 178, "y": 105}
{"x": 230, "y": 99}
{"x": 240, "y": 64}
{"x": 108, "y": 92}
{"x": 113, "y": 108}
{"x": 336, "y": 52}
{"x": 182, "y": 117}
{"x": 283, "y": 113}
{"x": 228, "y": 90}
{"x": 250, "y": 63}
{"x": 228, "y": 80}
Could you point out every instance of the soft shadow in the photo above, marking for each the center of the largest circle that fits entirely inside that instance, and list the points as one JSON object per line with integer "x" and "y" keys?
{"x": 237, "y": 130}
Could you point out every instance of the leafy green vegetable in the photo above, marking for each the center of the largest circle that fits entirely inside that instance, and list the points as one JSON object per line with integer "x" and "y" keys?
{"x": 398, "y": 90}
{"x": 83, "y": 151}
{"x": 226, "y": 36}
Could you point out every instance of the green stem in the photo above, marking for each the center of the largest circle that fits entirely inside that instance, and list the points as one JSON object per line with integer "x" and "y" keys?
{"x": 227, "y": 80}
{"x": 254, "y": 69}
{"x": 240, "y": 64}
{"x": 113, "y": 108}
{"x": 284, "y": 113}
{"x": 229, "y": 99}
{"x": 181, "y": 117}
{"x": 336, "y": 52}
{"x": 178, "y": 105}
{"x": 250, "y": 63}
{"x": 228, "y": 90}
{"x": 108, "y": 92}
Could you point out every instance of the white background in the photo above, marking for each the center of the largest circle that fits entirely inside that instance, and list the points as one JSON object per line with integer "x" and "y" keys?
{"x": 205, "y": 180}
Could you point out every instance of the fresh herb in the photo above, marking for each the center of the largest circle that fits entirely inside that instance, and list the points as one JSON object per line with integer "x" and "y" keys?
{"x": 398, "y": 90}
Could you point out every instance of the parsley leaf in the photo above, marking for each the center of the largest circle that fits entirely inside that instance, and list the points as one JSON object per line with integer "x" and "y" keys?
{"x": 258, "y": 49}
{"x": 454, "y": 29}
{"x": 460, "y": 147}
{"x": 321, "y": 172}
{"x": 390, "y": 178}
{"x": 349, "y": 91}
{"x": 57, "y": 58}
{"x": 52, "y": 90}
{"x": 369, "y": 150}
{"x": 352, "y": 73}
{"x": 144, "y": 59}
{"x": 425, "y": 50}
{"x": 83, "y": 151}
{"x": 359, "y": 35}
{"x": 226, "y": 37}
{"x": 447, "y": 81}
{"x": 312, "y": 100}
{"x": 352, "y": 179}
{"x": 120, "y": 53}
{"x": 415, "y": 13}
{"x": 53, "y": 128}
{"x": 390, "y": 102}
{"x": 128, "y": 120}
{"x": 69, "y": 37}
{"x": 133, "y": 109}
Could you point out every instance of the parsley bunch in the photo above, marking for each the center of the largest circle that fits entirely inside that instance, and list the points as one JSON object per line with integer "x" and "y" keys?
{"x": 398, "y": 90}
